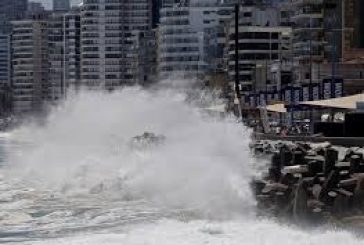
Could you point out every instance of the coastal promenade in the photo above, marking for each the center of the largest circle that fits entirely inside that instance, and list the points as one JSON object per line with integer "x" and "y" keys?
{"x": 339, "y": 141}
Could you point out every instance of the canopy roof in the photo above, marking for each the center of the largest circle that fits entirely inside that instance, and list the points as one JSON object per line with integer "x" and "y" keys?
{"x": 348, "y": 102}
{"x": 279, "y": 108}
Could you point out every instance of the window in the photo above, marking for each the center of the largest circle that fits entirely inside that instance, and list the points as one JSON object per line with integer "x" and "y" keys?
{"x": 247, "y": 14}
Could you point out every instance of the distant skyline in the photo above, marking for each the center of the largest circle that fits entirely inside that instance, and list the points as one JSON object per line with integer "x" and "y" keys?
{"x": 48, "y": 3}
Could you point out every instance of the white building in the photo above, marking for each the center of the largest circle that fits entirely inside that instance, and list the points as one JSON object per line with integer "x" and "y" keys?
{"x": 191, "y": 39}
{"x": 72, "y": 46}
{"x": 30, "y": 64}
{"x": 63, "y": 52}
{"x": 111, "y": 32}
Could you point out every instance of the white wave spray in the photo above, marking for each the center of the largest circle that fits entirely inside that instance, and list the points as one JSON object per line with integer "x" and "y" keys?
{"x": 85, "y": 144}
{"x": 204, "y": 166}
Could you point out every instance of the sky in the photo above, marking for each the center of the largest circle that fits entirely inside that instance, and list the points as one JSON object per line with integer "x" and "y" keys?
{"x": 48, "y": 3}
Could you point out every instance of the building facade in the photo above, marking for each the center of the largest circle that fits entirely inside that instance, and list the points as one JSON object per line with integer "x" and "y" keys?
{"x": 318, "y": 35}
{"x": 262, "y": 43}
{"x": 64, "y": 52}
{"x": 259, "y": 48}
{"x": 72, "y": 46}
{"x": 285, "y": 12}
{"x": 61, "y": 5}
{"x": 35, "y": 8}
{"x": 111, "y": 32}
{"x": 191, "y": 39}
{"x": 11, "y": 10}
{"x": 5, "y": 74}
{"x": 30, "y": 65}
{"x": 353, "y": 23}
{"x": 5, "y": 68}
{"x": 259, "y": 16}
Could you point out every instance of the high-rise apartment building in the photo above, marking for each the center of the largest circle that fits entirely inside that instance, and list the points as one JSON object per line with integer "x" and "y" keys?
{"x": 309, "y": 29}
{"x": 191, "y": 39}
{"x": 259, "y": 47}
{"x": 63, "y": 52}
{"x": 111, "y": 34}
{"x": 11, "y": 10}
{"x": 318, "y": 28}
{"x": 72, "y": 47}
{"x": 5, "y": 73}
{"x": 5, "y": 59}
{"x": 30, "y": 64}
{"x": 61, "y": 5}
{"x": 262, "y": 42}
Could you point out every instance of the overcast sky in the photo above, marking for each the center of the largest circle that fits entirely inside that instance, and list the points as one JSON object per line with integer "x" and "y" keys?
{"x": 48, "y": 3}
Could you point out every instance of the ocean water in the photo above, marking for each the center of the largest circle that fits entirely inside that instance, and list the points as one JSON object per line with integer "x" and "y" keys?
{"x": 79, "y": 179}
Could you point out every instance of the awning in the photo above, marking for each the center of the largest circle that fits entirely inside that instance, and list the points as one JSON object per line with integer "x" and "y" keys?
{"x": 279, "y": 108}
{"x": 348, "y": 102}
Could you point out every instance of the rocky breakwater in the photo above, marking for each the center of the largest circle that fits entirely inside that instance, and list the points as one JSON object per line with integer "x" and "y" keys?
{"x": 311, "y": 183}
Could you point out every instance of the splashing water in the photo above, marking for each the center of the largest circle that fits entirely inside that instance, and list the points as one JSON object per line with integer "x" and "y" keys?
{"x": 78, "y": 180}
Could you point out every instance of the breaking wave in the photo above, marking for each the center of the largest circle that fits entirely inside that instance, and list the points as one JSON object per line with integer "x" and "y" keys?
{"x": 80, "y": 173}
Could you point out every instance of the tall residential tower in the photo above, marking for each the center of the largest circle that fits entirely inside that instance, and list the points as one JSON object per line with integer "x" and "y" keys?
{"x": 64, "y": 52}
{"x": 112, "y": 33}
{"x": 30, "y": 64}
{"x": 191, "y": 39}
